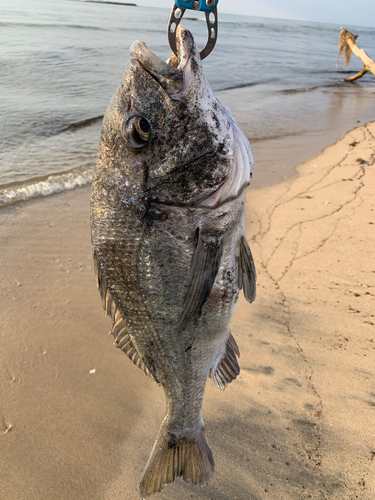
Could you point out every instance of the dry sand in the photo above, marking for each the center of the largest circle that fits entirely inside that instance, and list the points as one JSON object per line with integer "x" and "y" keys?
{"x": 78, "y": 419}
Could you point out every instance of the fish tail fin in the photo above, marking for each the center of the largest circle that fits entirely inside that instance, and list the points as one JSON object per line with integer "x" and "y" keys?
{"x": 189, "y": 457}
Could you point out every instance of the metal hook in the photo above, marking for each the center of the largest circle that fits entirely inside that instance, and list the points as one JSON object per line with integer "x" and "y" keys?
{"x": 212, "y": 26}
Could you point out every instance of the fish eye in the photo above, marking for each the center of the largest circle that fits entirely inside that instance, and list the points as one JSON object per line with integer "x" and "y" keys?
{"x": 137, "y": 131}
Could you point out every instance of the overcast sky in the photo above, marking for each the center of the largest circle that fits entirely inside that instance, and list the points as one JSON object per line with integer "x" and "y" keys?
{"x": 359, "y": 12}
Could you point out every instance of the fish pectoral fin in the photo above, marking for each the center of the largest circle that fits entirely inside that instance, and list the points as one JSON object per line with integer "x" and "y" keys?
{"x": 228, "y": 368}
{"x": 203, "y": 271}
{"x": 171, "y": 457}
{"x": 119, "y": 331}
{"x": 247, "y": 275}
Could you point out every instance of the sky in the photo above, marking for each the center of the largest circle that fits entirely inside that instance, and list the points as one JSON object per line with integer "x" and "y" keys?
{"x": 343, "y": 12}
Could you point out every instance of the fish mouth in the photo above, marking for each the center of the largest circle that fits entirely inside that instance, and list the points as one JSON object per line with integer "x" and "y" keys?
{"x": 172, "y": 75}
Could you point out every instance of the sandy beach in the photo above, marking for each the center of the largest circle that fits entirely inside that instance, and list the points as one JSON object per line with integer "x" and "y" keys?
{"x": 78, "y": 419}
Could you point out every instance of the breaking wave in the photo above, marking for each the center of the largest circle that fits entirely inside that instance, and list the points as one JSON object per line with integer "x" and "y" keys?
{"x": 52, "y": 184}
{"x": 11, "y": 24}
{"x": 81, "y": 124}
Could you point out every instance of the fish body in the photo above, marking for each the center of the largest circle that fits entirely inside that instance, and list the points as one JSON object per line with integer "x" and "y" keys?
{"x": 167, "y": 219}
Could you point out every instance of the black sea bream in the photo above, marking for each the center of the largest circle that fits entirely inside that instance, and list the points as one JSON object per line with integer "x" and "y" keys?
{"x": 167, "y": 219}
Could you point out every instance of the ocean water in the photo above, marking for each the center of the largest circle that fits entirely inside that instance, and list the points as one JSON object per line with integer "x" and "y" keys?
{"x": 61, "y": 61}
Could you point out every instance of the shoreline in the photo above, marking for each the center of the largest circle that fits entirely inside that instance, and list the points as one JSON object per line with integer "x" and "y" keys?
{"x": 78, "y": 419}
{"x": 268, "y": 171}
{"x": 305, "y": 148}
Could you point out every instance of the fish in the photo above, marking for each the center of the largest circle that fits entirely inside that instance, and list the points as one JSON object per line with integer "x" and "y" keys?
{"x": 169, "y": 244}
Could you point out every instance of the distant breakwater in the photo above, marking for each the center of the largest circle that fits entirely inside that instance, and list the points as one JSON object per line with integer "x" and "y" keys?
{"x": 113, "y": 3}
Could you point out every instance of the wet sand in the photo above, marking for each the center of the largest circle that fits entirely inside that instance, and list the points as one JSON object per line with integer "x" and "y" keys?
{"x": 78, "y": 419}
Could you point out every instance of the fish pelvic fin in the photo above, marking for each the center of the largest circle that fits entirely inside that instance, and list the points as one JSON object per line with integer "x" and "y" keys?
{"x": 247, "y": 275}
{"x": 119, "y": 331}
{"x": 189, "y": 457}
{"x": 228, "y": 368}
{"x": 204, "y": 268}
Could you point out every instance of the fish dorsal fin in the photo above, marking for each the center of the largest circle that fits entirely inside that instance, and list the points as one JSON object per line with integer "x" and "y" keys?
{"x": 227, "y": 369}
{"x": 203, "y": 271}
{"x": 247, "y": 276}
{"x": 124, "y": 342}
{"x": 119, "y": 331}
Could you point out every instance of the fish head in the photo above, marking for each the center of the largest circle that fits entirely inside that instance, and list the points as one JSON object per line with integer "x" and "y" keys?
{"x": 165, "y": 137}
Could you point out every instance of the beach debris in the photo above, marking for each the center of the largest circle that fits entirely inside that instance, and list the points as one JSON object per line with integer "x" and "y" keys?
{"x": 8, "y": 429}
{"x": 92, "y": 371}
{"x": 169, "y": 248}
{"x": 4, "y": 425}
{"x": 348, "y": 43}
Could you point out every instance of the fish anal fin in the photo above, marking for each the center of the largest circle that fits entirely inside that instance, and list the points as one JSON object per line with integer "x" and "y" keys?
{"x": 203, "y": 271}
{"x": 247, "y": 276}
{"x": 189, "y": 457}
{"x": 228, "y": 368}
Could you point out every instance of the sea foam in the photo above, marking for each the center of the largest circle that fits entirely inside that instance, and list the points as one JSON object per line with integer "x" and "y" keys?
{"x": 45, "y": 187}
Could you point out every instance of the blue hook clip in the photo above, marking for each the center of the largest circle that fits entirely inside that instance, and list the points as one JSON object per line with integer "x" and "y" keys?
{"x": 209, "y": 7}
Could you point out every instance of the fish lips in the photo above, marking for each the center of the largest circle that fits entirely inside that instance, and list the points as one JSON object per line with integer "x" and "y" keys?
{"x": 173, "y": 80}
